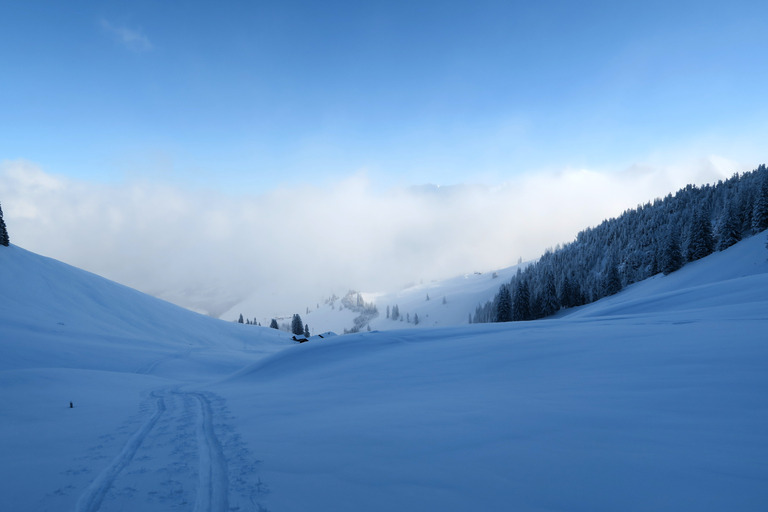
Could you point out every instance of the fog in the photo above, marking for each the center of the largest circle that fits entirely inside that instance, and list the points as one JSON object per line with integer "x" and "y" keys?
{"x": 207, "y": 250}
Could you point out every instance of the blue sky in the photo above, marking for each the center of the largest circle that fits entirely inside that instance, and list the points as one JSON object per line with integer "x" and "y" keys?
{"x": 145, "y": 141}
{"x": 260, "y": 94}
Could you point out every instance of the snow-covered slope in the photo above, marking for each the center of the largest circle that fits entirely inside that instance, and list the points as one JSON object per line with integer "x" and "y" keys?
{"x": 68, "y": 335}
{"x": 727, "y": 278}
{"x": 52, "y": 314}
{"x": 449, "y": 304}
{"x": 653, "y": 399}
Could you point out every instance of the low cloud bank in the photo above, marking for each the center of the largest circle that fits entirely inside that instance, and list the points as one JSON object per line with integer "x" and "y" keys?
{"x": 291, "y": 247}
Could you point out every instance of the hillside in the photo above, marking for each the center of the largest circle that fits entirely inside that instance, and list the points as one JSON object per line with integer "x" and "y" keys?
{"x": 450, "y": 302}
{"x": 651, "y": 399}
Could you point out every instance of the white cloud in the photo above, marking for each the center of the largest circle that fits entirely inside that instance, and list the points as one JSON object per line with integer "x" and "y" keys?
{"x": 292, "y": 247}
{"x": 132, "y": 39}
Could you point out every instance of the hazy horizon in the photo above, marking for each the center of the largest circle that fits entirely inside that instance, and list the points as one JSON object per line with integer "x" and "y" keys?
{"x": 213, "y": 151}
{"x": 294, "y": 246}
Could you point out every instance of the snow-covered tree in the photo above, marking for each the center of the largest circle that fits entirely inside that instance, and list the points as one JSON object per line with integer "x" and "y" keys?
{"x": 760, "y": 211}
{"x": 658, "y": 236}
{"x": 612, "y": 280}
{"x": 673, "y": 255}
{"x": 728, "y": 228}
{"x": 521, "y": 308}
{"x": 306, "y": 330}
{"x": 4, "y": 238}
{"x": 549, "y": 300}
{"x": 504, "y": 305}
{"x": 273, "y": 324}
{"x": 297, "y": 326}
{"x": 701, "y": 243}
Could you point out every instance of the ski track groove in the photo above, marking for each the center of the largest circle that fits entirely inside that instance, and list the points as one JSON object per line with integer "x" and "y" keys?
{"x": 213, "y": 484}
{"x": 91, "y": 499}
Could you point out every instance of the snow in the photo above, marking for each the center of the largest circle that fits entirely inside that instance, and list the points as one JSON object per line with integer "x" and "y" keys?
{"x": 653, "y": 399}
{"x": 450, "y": 302}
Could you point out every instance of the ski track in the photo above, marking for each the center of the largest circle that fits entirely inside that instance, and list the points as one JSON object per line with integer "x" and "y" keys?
{"x": 91, "y": 499}
{"x": 213, "y": 484}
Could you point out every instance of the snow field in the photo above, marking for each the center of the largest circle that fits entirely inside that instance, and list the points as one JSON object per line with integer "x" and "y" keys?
{"x": 605, "y": 416}
{"x": 650, "y": 400}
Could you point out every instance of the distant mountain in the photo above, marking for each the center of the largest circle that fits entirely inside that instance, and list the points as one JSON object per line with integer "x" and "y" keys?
{"x": 450, "y": 303}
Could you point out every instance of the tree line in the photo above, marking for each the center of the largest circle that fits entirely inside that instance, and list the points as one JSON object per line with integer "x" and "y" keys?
{"x": 656, "y": 237}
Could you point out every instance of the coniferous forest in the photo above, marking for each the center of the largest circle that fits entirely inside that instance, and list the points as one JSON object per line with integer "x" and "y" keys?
{"x": 661, "y": 236}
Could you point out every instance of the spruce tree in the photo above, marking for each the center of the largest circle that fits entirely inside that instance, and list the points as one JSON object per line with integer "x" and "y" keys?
{"x": 273, "y": 324}
{"x": 297, "y": 326}
{"x": 566, "y": 294}
{"x": 549, "y": 301}
{"x": 728, "y": 228}
{"x": 504, "y": 305}
{"x": 306, "y": 330}
{"x": 521, "y": 306}
{"x": 4, "y": 239}
{"x": 700, "y": 240}
{"x": 612, "y": 284}
{"x": 673, "y": 255}
{"x": 760, "y": 211}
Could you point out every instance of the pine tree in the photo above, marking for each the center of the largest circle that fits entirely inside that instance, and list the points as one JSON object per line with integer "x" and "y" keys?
{"x": 673, "y": 255}
{"x": 728, "y": 228}
{"x": 273, "y": 324}
{"x": 297, "y": 326}
{"x": 521, "y": 306}
{"x": 306, "y": 330}
{"x": 549, "y": 302}
{"x": 240, "y": 320}
{"x": 566, "y": 294}
{"x": 701, "y": 243}
{"x": 760, "y": 210}
{"x": 612, "y": 280}
{"x": 415, "y": 319}
{"x": 504, "y": 305}
{"x": 4, "y": 239}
